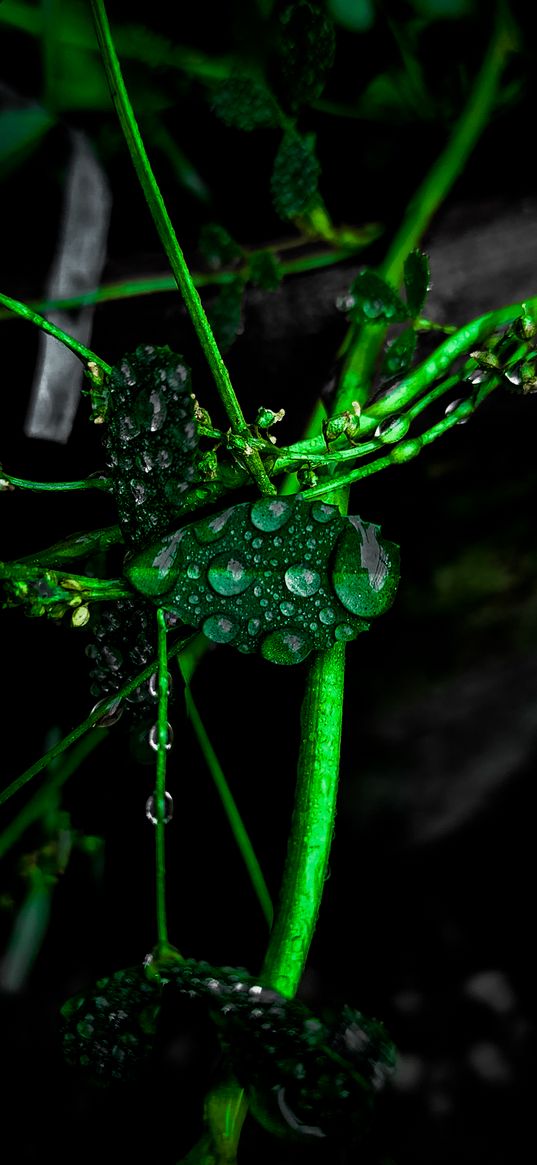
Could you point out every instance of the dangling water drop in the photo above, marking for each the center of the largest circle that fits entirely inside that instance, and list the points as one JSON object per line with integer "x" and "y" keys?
{"x": 151, "y": 809}
{"x": 392, "y": 429}
{"x": 450, "y": 408}
{"x": 110, "y": 717}
{"x": 153, "y": 737}
{"x": 153, "y": 685}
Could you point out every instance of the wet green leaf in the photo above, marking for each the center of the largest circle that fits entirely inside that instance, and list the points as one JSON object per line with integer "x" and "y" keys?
{"x": 417, "y": 276}
{"x": 281, "y": 576}
{"x": 374, "y": 300}
{"x": 399, "y": 354}
{"x": 109, "y": 1030}
{"x": 245, "y": 103}
{"x": 295, "y": 175}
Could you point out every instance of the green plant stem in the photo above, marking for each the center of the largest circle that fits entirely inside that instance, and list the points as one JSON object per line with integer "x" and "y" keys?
{"x": 229, "y": 805}
{"x": 169, "y": 241}
{"x": 103, "y": 483}
{"x": 90, "y": 722}
{"x": 26, "y": 313}
{"x": 312, "y": 825}
{"x": 160, "y": 782}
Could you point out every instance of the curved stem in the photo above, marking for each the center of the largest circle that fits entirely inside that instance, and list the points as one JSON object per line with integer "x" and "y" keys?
{"x": 168, "y": 238}
{"x": 33, "y": 317}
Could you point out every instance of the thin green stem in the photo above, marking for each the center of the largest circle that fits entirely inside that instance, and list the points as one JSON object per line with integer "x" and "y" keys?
{"x": 26, "y": 313}
{"x": 103, "y": 483}
{"x": 168, "y": 238}
{"x": 94, "y": 717}
{"x": 312, "y": 825}
{"x": 229, "y": 804}
{"x": 160, "y": 781}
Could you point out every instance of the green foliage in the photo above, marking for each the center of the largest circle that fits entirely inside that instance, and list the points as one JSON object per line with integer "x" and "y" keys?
{"x": 399, "y": 354}
{"x": 279, "y": 576}
{"x": 225, "y": 313}
{"x": 244, "y": 102}
{"x": 217, "y": 246}
{"x": 417, "y": 276}
{"x": 151, "y": 439}
{"x": 305, "y": 51}
{"x": 295, "y": 175}
{"x": 372, "y": 300}
{"x": 264, "y": 270}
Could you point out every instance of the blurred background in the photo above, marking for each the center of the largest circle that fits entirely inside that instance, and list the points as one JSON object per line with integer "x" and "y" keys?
{"x": 425, "y": 920}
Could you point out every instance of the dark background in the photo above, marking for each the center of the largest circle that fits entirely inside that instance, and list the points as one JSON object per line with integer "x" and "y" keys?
{"x": 425, "y": 920}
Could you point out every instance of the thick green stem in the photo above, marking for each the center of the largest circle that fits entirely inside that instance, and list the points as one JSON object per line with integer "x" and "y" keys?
{"x": 312, "y": 825}
{"x": 168, "y": 238}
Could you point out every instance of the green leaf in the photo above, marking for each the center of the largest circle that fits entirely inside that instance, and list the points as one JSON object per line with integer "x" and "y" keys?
{"x": 225, "y": 313}
{"x": 295, "y": 175}
{"x": 264, "y": 270}
{"x": 278, "y": 576}
{"x": 245, "y": 103}
{"x": 398, "y": 356}
{"x": 21, "y": 131}
{"x": 217, "y": 246}
{"x": 372, "y": 300}
{"x": 306, "y": 51}
{"x": 417, "y": 276}
{"x": 109, "y": 1030}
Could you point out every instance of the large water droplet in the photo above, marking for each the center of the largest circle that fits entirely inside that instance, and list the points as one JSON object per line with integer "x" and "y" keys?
{"x": 286, "y": 647}
{"x": 450, "y": 408}
{"x": 365, "y": 570}
{"x": 271, "y": 513}
{"x": 302, "y": 580}
{"x": 153, "y": 685}
{"x": 193, "y": 570}
{"x": 322, "y": 512}
{"x": 392, "y": 429}
{"x": 110, "y": 717}
{"x": 327, "y": 615}
{"x": 153, "y": 737}
{"x": 345, "y": 631}
{"x": 211, "y": 529}
{"x": 151, "y": 809}
{"x": 228, "y": 575}
{"x": 219, "y": 628}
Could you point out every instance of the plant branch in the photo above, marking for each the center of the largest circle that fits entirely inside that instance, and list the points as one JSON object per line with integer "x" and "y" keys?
{"x": 26, "y": 313}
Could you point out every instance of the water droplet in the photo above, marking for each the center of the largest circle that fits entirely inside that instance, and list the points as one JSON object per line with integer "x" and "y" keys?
{"x": 158, "y": 413}
{"x": 392, "y": 429}
{"x": 219, "y": 628}
{"x": 258, "y": 591}
{"x": 248, "y": 536}
{"x": 127, "y": 429}
{"x": 193, "y": 570}
{"x": 153, "y": 685}
{"x": 313, "y": 626}
{"x": 365, "y": 572}
{"x": 302, "y": 580}
{"x": 211, "y": 529}
{"x": 512, "y": 375}
{"x": 322, "y": 512}
{"x": 228, "y": 575}
{"x": 110, "y": 717}
{"x": 286, "y": 647}
{"x": 151, "y": 809}
{"x": 327, "y": 615}
{"x": 450, "y": 408}
{"x": 345, "y": 303}
{"x": 271, "y": 513}
{"x": 253, "y": 626}
{"x": 478, "y": 376}
{"x": 257, "y": 543}
{"x": 164, "y": 458}
{"x": 311, "y": 543}
{"x": 277, "y": 541}
{"x": 138, "y": 492}
{"x": 345, "y": 631}
{"x": 287, "y": 608}
{"x": 269, "y": 615}
{"x": 193, "y": 599}
{"x": 263, "y": 602}
{"x": 153, "y": 738}
{"x": 145, "y": 463}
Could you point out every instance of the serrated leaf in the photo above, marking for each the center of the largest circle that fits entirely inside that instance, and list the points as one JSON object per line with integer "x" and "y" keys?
{"x": 21, "y": 131}
{"x": 267, "y": 564}
{"x": 218, "y": 247}
{"x": 417, "y": 276}
{"x": 306, "y": 50}
{"x": 225, "y": 313}
{"x": 375, "y": 301}
{"x": 295, "y": 175}
{"x": 399, "y": 354}
{"x": 245, "y": 103}
{"x": 264, "y": 270}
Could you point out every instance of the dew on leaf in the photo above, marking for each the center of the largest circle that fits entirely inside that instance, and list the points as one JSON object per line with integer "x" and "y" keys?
{"x": 302, "y": 580}
{"x": 228, "y": 575}
{"x": 271, "y": 513}
{"x": 327, "y": 615}
{"x": 193, "y": 570}
{"x": 322, "y": 512}
{"x": 211, "y": 529}
{"x": 287, "y": 608}
{"x": 288, "y": 646}
{"x": 219, "y": 628}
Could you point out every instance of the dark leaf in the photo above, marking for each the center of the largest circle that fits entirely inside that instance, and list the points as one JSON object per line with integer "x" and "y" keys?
{"x": 374, "y": 300}
{"x": 399, "y": 354}
{"x": 244, "y": 103}
{"x": 295, "y": 175}
{"x": 264, "y": 270}
{"x": 217, "y": 246}
{"x": 225, "y": 313}
{"x": 417, "y": 281}
{"x": 305, "y": 51}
